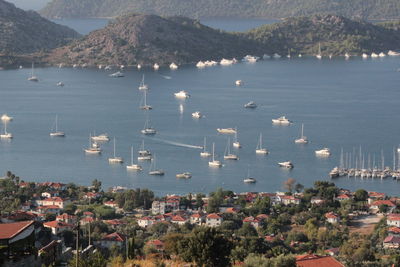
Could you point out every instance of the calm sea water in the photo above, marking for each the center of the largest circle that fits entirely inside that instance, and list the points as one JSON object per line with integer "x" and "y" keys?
{"x": 343, "y": 104}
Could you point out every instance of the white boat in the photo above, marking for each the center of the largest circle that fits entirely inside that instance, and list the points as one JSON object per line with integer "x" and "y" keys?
{"x": 300, "y": 55}
{"x": 144, "y": 154}
{"x": 398, "y": 150}
{"x": 250, "y": 59}
{"x": 249, "y": 180}
{"x": 115, "y": 159}
{"x": 374, "y": 55}
{"x": 250, "y": 104}
{"x": 347, "y": 56}
{"x": 33, "y": 77}
{"x": 228, "y": 155}
{"x": 319, "y": 55}
{"x": 173, "y": 66}
{"x": 210, "y": 63}
{"x": 142, "y": 85}
{"x": 117, "y": 74}
{"x": 236, "y": 142}
{"x": 205, "y": 153}
{"x": 135, "y": 167}
{"x": 139, "y": 66}
{"x": 145, "y": 106}
{"x": 5, "y": 117}
{"x": 156, "y": 66}
{"x": 93, "y": 148}
{"x": 214, "y": 162}
{"x": 227, "y": 62}
{"x": 381, "y": 54}
{"x": 281, "y": 120}
{"x": 147, "y": 129}
{"x": 226, "y": 130}
{"x": 325, "y": 152}
{"x": 101, "y": 138}
{"x": 276, "y": 56}
{"x": 259, "y": 148}
{"x": 364, "y": 56}
{"x": 57, "y": 133}
{"x": 182, "y": 94}
{"x": 185, "y": 175}
{"x": 239, "y": 82}
{"x": 153, "y": 170}
{"x": 74, "y": 66}
{"x": 5, "y": 134}
{"x": 393, "y": 53}
{"x": 61, "y": 84}
{"x": 108, "y": 67}
{"x": 303, "y": 139}
{"x": 122, "y": 67}
{"x": 197, "y": 115}
{"x": 201, "y": 65}
{"x": 286, "y": 164}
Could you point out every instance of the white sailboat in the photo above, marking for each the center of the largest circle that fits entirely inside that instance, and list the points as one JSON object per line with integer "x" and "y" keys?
{"x": 153, "y": 170}
{"x": 57, "y": 133}
{"x": 228, "y": 155}
{"x": 286, "y": 164}
{"x": 303, "y": 139}
{"x": 319, "y": 55}
{"x": 205, "y": 153}
{"x": 135, "y": 167}
{"x": 147, "y": 129}
{"x": 248, "y": 179}
{"x": 144, "y": 154}
{"x": 33, "y": 77}
{"x": 93, "y": 148}
{"x": 6, "y": 135}
{"x": 259, "y": 148}
{"x": 214, "y": 162}
{"x": 142, "y": 85}
{"x": 156, "y": 66}
{"x": 236, "y": 142}
{"x": 145, "y": 106}
{"x": 115, "y": 159}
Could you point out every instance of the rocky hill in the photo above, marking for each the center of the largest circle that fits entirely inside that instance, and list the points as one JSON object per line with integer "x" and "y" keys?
{"x": 149, "y": 39}
{"x": 365, "y": 9}
{"x": 23, "y": 32}
{"x": 335, "y": 34}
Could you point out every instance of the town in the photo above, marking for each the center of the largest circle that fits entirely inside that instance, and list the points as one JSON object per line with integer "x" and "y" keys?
{"x": 51, "y": 224}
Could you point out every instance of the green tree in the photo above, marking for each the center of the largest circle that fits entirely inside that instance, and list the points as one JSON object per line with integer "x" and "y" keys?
{"x": 361, "y": 195}
{"x": 96, "y": 185}
{"x": 92, "y": 260}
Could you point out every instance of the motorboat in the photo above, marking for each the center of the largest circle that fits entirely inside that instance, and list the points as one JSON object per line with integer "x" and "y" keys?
{"x": 250, "y": 59}
{"x": 364, "y": 56}
{"x": 250, "y": 104}
{"x": 259, "y": 148}
{"x": 61, "y": 84}
{"x": 210, "y": 63}
{"x": 197, "y": 115}
{"x": 182, "y": 94}
{"x": 325, "y": 152}
{"x": 393, "y": 53}
{"x": 115, "y": 159}
{"x": 201, "y": 65}
{"x": 101, "y": 138}
{"x": 117, "y": 74}
{"x": 249, "y": 180}
{"x": 347, "y": 56}
{"x": 226, "y": 130}
{"x": 381, "y": 54}
{"x": 281, "y": 120}
{"x": 334, "y": 172}
{"x": 265, "y": 56}
{"x": 173, "y": 66}
{"x": 286, "y": 164}
{"x": 156, "y": 66}
{"x": 239, "y": 82}
{"x": 276, "y": 56}
{"x": 7, "y": 118}
{"x": 185, "y": 175}
{"x": 374, "y": 55}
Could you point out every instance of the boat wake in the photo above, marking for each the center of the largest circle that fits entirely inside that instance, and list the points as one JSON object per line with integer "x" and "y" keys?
{"x": 177, "y": 144}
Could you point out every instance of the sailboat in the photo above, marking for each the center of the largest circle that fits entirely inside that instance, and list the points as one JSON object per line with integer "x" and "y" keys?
{"x": 148, "y": 130}
{"x": 142, "y": 85}
{"x": 33, "y": 78}
{"x": 228, "y": 155}
{"x": 144, "y": 154}
{"x": 145, "y": 106}
{"x": 319, "y": 55}
{"x": 57, "y": 133}
{"x": 93, "y": 148}
{"x": 303, "y": 139}
{"x": 236, "y": 143}
{"x": 135, "y": 167}
{"x": 115, "y": 159}
{"x": 214, "y": 162}
{"x": 153, "y": 170}
{"x": 6, "y": 135}
{"x": 259, "y": 148}
{"x": 248, "y": 179}
{"x": 205, "y": 153}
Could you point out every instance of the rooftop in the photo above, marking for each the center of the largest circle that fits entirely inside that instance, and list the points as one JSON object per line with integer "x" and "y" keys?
{"x": 9, "y": 230}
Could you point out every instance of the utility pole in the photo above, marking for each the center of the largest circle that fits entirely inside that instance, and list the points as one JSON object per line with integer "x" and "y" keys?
{"x": 77, "y": 245}
{"x": 90, "y": 239}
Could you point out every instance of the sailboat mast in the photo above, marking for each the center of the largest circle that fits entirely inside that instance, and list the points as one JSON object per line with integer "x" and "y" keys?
{"x": 213, "y": 151}
{"x": 114, "y": 147}
{"x": 302, "y": 130}
{"x": 131, "y": 155}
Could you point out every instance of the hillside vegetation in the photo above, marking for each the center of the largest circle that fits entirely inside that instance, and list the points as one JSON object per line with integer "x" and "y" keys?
{"x": 365, "y": 9}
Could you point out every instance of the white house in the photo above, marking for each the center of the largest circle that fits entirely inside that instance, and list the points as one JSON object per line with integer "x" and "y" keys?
{"x": 58, "y": 227}
{"x": 393, "y": 220}
{"x": 213, "y": 220}
{"x": 332, "y": 217}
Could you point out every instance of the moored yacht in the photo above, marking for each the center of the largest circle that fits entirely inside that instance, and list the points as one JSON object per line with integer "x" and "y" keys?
{"x": 250, "y": 104}
{"x": 7, "y": 118}
{"x": 249, "y": 180}
{"x": 228, "y": 155}
{"x": 259, "y": 148}
{"x": 115, "y": 159}
{"x": 281, "y": 120}
{"x": 57, "y": 133}
{"x": 205, "y": 153}
{"x": 145, "y": 106}
{"x": 286, "y": 164}
{"x": 117, "y": 74}
{"x": 93, "y": 148}
{"x": 142, "y": 85}
{"x": 226, "y": 130}
{"x": 33, "y": 77}
{"x": 182, "y": 94}
{"x": 214, "y": 162}
{"x": 144, "y": 154}
{"x": 325, "y": 152}
{"x": 236, "y": 142}
{"x": 153, "y": 170}
{"x": 239, "y": 82}
{"x": 101, "y": 138}
{"x": 303, "y": 139}
{"x": 147, "y": 129}
{"x": 173, "y": 66}
{"x": 197, "y": 115}
{"x": 185, "y": 175}
{"x": 132, "y": 166}
{"x": 156, "y": 66}
{"x": 5, "y": 134}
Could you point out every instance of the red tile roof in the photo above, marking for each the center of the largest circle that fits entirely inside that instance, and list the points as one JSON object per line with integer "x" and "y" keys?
{"x": 395, "y": 230}
{"x": 343, "y": 196}
{"x": 311, "y": 260}
{"x": 394, "y": 217}
{"x": 156, "y": 242}
{"x": 57, "y": 224}
{"x": 231, "y": 210}
{"x": 331, "y": 215}
{"x": 392, "y": 239}
{"x": 114, "y": 237}
{"x": 196, "y": 215}
{"x": 213, "y": 216}
{"x": 9, "y": 230}
{"x": 376, "y": 194}
{"x": 178, "y": 218}
{"x": 383, "y": 202}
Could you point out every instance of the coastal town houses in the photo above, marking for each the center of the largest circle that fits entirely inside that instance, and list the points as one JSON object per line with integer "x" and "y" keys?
{"x": 395, "y": 231}
{"x": 393, "y": 219}
{"x": 146, "y": 221}
{"x": 111, "y": 240}
{"x": 156, "y": 244}
{"x": 12, "y": 234}
{"x": 311, "y": 260}
{"x": 57, "y": 201}
{"x": 373, "y": 196}
{"x": 332, "y": 218}
{"x": 58, "y": 227}
{"x": 213, "y": 220}
{"x": 111, "y": 204}
{"x": 374, "y": 206}
{"x": 197, "y": 218}
{"x": 343, "y": 197}
{"x": 391, "y": 242}
{"x": 287, "y": 200}
{"x": 178, "y": 219}
{"x": 70, "y": 219}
